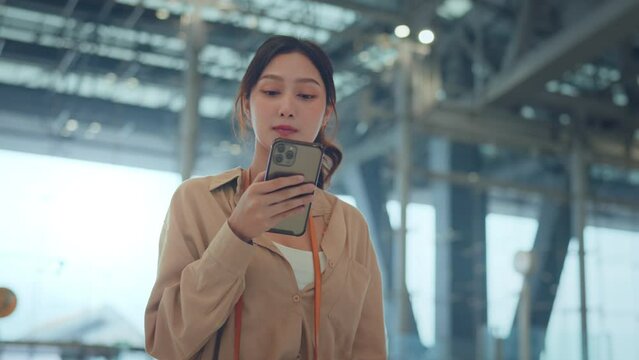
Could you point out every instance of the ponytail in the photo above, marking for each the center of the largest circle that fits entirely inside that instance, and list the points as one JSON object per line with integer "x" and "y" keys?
{"x": 331, "y": 160}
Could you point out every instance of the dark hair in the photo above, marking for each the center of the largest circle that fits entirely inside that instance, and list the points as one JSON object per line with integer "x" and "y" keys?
{"x": 278, "y": 45}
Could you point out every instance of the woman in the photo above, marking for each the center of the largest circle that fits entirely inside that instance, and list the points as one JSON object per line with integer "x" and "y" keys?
{"x": 225, "y": 286}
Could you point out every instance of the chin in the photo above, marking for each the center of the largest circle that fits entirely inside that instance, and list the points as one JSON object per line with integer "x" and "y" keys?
{"x": 295, "y": 136}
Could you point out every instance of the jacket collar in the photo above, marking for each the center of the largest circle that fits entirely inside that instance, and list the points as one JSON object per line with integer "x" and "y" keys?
{"x": 226, "y": 177}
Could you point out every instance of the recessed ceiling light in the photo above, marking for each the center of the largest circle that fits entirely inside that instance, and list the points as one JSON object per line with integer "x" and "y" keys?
{"x": 162, "y": 14}
{"x": 402, "y": 31}
{"x": 94, "y": 127}
{"x": 426, "y": 36}
{"x": 71, "y": 125}
{"x": 454, "y": 9}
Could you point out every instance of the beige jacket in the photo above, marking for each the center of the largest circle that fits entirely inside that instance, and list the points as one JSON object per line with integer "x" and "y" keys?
{"x": 204, "y": 268}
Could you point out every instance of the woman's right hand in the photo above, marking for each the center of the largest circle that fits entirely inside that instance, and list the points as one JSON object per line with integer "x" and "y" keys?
{"x": 265, "y": 203}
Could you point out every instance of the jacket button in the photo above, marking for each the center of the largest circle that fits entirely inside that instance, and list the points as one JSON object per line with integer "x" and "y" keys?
{"x": 296, "y": 298}
{"x": 331, "y": 263}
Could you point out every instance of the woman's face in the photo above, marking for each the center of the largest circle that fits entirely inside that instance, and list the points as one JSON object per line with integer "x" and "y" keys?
{"x": 288, "y": 101}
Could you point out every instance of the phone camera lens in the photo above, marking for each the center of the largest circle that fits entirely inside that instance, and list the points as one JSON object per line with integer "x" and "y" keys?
{"x": 280, "y": 148}
{"x": 279, "y": 158}
{"x": 289, "y": 154}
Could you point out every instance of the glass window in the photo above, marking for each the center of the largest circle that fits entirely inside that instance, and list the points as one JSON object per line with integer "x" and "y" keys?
{"x": 612, "y": 287}
{"x": 505, "y": 236}
{"x": 78, "y": 246}
{"x": 420, "y": 264}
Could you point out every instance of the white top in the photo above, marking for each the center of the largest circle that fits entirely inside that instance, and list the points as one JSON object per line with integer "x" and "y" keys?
{"x": 302, "y": 263}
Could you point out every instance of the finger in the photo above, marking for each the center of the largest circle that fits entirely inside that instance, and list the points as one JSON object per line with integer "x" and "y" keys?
{"x": 281, "y": 216}
{"x": 269, "y": 186}
{"x": 289, "y": 193}
{"x": 289, "y": 204}
{"x": 259, "y": 177}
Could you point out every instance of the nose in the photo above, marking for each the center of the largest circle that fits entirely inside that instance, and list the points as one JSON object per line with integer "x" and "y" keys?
{"x": 286, "y": 107}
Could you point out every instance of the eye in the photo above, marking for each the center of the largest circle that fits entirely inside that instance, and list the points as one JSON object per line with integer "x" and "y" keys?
{"x": 307, "y": 96}
{"x": 270, "y": 92}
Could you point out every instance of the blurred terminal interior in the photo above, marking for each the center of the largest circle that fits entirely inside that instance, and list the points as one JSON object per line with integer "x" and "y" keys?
{"x": 474, "y": 111}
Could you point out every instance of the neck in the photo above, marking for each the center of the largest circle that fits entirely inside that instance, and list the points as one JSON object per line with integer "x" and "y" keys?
{"x": 260, "y": 158}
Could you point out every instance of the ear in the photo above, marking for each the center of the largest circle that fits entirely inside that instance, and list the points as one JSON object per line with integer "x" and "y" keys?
{"x": 246, "y": 109}
{"x": 327, "y": 115}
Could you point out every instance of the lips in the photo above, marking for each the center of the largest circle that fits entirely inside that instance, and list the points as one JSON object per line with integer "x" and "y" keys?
{"x": 284, "y": 130}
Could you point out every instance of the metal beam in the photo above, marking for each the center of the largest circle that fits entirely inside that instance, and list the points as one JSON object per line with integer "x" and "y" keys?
{"x": 195, "y": 33}
{"x": 520, "y": 38}
{"x": 39, "y": 56}
{"x": 403, "y": 106}
{"x": 372, "y": 147}
{"x": 606, "y": 195}
{"x": 579, "y": 42}
{"x": 473, "y": 125}
{"x": 364, "y": 183}
{"x": 590, "y": 106}
{"x": 31, "y": 134}
{"x": 143, "y": 30}
{"x": 578, "y": 192}
{"x": 549, "y": 250}
{"x": 419, "y": 13}
{"x": 127, "y": 143}
{"x": 468, "y": 124}
{"x": 460, "y": 285}
{"x": 382, "y": 14}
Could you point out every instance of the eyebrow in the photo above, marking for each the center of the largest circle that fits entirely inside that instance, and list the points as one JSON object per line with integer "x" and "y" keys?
{"x": 299, "y": 80}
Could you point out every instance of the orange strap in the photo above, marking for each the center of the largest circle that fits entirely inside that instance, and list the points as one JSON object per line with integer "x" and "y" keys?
{"x": 238, "y": 329}
{"x": 318, "y": 286}
{"x": 316, "y": 306}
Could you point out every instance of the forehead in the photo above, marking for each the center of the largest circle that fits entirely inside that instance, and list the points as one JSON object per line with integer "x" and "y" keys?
{"x": 292, "y": 66}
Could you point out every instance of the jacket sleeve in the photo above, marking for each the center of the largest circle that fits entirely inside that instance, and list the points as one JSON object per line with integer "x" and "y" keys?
{"x": 370, "y": 337}
{"x": 192, "y": 296}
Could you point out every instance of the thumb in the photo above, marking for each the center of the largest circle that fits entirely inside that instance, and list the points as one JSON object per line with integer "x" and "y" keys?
{"x": 260, "y": 176}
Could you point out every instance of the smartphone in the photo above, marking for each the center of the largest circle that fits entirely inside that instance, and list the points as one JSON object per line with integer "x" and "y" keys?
{"x": 291, "y": 157}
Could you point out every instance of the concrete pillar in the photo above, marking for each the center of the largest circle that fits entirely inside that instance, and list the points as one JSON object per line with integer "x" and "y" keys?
{"x": 461, "y": 306}
{"x": 194, "y": 32}
{"x": 549, "y": 250}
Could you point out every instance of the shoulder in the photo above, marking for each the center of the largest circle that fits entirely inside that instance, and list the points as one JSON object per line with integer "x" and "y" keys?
{"x": 353, "y": 224}
{"x": 195, "y": 188}
{"x": 211, "y": 182}
{"x": 353, "y": 218}
{"x": 352, "y": 215}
